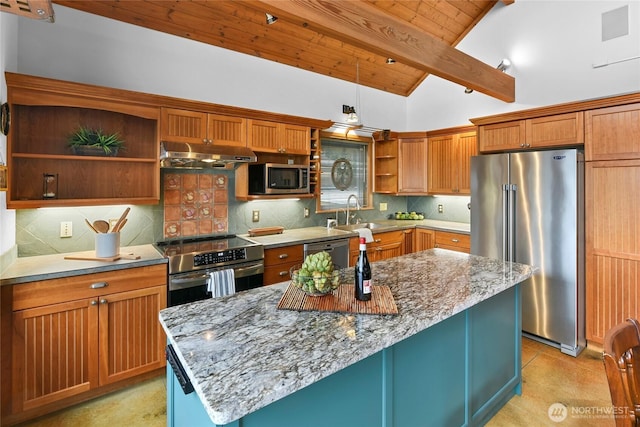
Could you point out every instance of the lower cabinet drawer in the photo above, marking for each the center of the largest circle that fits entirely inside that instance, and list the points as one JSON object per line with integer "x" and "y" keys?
{"x": 453, "y": 241}
{"x": 52, "y": 291}
{"x": 277, "y": 273}
{"x": 278, "y": 261}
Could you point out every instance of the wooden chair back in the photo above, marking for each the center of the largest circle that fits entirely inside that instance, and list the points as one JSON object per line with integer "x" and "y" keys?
{"x": 621, "y": 358}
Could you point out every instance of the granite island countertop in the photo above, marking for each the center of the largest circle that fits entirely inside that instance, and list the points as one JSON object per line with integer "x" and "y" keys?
{"x": 42, "y": 267}
{"x": 242, "y": 353}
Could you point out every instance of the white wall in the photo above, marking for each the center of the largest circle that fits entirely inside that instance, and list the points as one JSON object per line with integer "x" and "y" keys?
{"x": 552, "y": 45}
{"x": 8, "y": 61}
{"x": 91, "y": 49}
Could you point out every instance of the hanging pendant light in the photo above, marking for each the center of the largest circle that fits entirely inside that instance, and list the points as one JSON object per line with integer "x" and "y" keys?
{"x": 353, "y": 116}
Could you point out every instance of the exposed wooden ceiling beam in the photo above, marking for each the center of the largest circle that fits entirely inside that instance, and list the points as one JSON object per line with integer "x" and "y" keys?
{"x": 366, "y": 27}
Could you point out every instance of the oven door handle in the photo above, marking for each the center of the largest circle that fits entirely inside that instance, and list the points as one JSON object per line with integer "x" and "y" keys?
{"x": 249, "y": 270}
{"x": 187, "y": 280}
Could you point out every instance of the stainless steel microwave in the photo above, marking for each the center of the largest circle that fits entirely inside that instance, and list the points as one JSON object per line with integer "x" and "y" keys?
{"x": 274, "y": 178}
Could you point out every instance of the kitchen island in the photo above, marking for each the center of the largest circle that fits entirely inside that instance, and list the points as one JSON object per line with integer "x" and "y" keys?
{"x": 450, "y": 357}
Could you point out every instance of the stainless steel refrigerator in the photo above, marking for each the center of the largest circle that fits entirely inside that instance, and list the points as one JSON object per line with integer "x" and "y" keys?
{"x": 528, "y": 207}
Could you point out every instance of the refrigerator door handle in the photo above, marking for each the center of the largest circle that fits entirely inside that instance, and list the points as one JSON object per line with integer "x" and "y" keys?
{"x": 505, "y": 218}
{"x": 512, "y": 221}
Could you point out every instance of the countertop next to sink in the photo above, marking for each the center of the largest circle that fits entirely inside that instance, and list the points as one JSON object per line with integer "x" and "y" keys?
{"x": 319, "y": 233}
{"x": 42, "y": 267}
{"x": 301, "y": 235}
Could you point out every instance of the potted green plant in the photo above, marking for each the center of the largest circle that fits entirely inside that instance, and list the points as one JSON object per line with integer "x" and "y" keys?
{"x": 94, "y": 142}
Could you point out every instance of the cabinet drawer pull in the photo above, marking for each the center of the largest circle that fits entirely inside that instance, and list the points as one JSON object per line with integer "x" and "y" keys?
{"x": 99, "y": 285}
{"x": 283, "y": 256}
{"x": 378, "y": 240}
{"x": 455, "y": 240}
{"x": 283, "y": 273}
{"x": 103, "y": 301}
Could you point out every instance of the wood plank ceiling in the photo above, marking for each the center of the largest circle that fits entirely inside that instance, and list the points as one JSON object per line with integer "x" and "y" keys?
{"x": 345, "y": 39}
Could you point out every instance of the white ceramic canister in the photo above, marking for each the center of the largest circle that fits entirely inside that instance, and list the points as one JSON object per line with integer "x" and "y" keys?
{"x": 107, "y": 245}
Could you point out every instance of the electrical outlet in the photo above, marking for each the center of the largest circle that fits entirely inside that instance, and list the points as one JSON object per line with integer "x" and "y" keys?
{"x": 256, "y": 216}
{"x": 66, "y": 229}
{"x": 112, "y": 222}
{"x": 440, "y": 209}
{"x": 306, "y": 212}
{"x": 383, "y": 207}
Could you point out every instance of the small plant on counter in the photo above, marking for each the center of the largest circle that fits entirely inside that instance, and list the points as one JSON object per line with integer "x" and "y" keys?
{"x": 86, "y": 141}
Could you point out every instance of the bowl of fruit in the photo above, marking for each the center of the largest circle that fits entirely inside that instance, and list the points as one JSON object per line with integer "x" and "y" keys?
{"x": 409, "y": 215}
{"x": 317, "y": 275}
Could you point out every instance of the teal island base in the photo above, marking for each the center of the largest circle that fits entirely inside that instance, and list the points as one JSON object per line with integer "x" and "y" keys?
{"x": 458, "y": 372}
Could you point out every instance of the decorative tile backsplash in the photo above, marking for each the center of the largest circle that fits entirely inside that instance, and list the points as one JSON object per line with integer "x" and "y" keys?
{"x": 195, "y": 204}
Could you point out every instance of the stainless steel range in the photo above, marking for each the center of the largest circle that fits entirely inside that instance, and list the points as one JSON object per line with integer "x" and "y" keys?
{"x": 191, "y": 262}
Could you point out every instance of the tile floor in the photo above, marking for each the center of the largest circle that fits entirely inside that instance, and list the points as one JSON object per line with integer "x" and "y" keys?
{"x": 549, "y": 377}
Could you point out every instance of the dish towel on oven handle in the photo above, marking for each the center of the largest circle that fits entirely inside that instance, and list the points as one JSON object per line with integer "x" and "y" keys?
{"x": 221, "y": 283}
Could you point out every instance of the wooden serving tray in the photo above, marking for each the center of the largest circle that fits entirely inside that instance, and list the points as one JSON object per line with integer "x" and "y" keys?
{"x": 265, "y": 231}
{"x": 108, "y": 259}
{"x": 341, "y": 300}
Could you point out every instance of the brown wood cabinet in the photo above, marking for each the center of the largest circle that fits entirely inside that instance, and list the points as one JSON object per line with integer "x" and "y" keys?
{"x": 44, "y": 112}
{"x": 559, "y": 130}
{"x": 75, "y": 335}
{"x": 613, "y": 133}
{"x": 425, "y": 239}
{"x": 387, "y": 244}
{"x": 412, "y": 163}
{"x": 409, "y": 241}
{"x": 449, "y": 160}
{"x": 400, "y": 161}
{"x": 278, "y": 261}
{"x": 612, "y": 245}
{"x": 453, "y": 241}
{"x": 196, "y": 127}
{"x": 272, "y": 137}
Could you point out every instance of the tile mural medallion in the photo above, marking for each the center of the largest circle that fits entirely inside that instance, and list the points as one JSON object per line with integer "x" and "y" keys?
{"x": 195, "y": 204}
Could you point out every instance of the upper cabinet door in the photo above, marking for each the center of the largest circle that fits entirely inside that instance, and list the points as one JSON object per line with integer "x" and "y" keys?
{"x": 194, "y": 127}
{"x": 613, "y": 133}
{"x": 183, "y": 126}
{"x": 226, "y": 130}
{"x": 450, "y": 163}
{"x": 272, "y": 137}
{"x": 506, "y": 136}
{"x": 441, "y": 161}
{"x": 559, "y": 130}
{"x": 412, "y": 166}
{"x": 466, "y": 147}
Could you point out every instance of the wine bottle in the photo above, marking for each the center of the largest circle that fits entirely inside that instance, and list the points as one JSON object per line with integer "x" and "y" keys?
{"x": 363, "y": 274}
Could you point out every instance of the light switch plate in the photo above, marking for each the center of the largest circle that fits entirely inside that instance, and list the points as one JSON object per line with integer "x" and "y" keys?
{"x": 66, "y": 229}
{"x": 383, "y": 206}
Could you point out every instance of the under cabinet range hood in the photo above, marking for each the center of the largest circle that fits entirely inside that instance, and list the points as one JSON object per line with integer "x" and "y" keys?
{"x": 203, "y": 156}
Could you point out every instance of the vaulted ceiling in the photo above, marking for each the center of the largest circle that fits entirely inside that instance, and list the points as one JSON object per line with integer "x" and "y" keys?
{"x": 346, "y": 39}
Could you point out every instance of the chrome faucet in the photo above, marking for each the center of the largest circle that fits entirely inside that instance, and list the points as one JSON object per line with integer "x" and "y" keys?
{"x": 349, "y": 201}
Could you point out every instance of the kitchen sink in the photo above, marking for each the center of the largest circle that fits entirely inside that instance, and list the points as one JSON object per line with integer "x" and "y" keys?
{"x": 369, "y": 225}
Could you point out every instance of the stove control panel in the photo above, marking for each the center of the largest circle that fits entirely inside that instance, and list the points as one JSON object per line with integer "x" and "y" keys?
{"x": 212, "y": 258}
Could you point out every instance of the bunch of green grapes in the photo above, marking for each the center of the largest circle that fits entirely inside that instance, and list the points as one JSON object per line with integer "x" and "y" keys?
{"x": 317, "y": 274}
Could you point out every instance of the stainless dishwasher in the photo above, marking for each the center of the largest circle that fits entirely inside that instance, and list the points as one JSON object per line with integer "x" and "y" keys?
{"x": 338, "y": 249}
